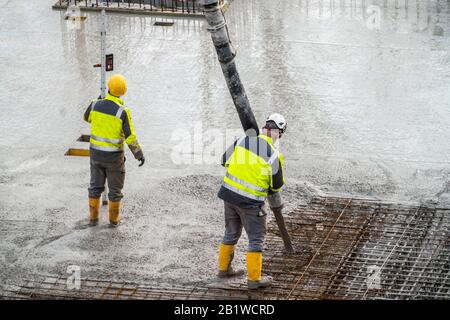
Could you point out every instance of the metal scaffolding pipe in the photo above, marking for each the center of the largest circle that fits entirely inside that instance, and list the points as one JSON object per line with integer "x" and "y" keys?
{"x": 226, "y": 54}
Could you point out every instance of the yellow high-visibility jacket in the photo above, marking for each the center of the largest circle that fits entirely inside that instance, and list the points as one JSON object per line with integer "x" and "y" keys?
{"x": 111, "y": 126}
{"x": 254, "y": 169}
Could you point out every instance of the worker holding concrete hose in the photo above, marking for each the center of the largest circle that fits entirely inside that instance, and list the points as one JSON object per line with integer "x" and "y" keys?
{"x": 254, "y": 171}
{"x": 111, "y": 126}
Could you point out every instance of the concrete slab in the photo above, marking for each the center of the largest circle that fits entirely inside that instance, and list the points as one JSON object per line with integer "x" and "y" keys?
{"x": 367, "y": 110}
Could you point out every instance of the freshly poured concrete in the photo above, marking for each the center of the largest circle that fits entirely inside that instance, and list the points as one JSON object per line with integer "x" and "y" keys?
{"x": 368, "y": 113}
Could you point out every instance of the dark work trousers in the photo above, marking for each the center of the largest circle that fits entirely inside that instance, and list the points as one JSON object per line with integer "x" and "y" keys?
{"x": 254, "y": 222}
{"x": 113, "y": 172}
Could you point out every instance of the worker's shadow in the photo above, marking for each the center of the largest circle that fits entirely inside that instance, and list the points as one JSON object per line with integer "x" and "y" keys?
{"x": 84, "y": 224}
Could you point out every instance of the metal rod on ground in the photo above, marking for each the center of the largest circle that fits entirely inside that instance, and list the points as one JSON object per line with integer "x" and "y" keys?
{"x": 226, "y": 53}
{"x": 103, "y": 79}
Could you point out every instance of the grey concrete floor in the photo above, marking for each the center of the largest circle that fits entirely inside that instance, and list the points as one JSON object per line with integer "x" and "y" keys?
{"x": 367, "y": 107}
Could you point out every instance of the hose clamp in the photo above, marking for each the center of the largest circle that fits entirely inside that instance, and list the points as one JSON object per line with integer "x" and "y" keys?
{"x": 216, "y": 28}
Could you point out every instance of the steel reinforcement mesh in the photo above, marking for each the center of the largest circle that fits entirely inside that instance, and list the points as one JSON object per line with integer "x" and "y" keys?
{"x": 345, "y": 249}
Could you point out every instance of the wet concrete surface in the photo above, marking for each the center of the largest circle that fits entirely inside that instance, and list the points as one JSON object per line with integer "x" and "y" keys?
{"x": 367, "y": 111}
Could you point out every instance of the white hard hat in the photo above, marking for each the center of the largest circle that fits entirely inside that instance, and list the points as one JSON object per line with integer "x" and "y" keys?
{"x": 278, "y": 120}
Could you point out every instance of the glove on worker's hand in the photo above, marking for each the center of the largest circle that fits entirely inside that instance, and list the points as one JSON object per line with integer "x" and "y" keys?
{"x": 275, "y": 201}
{"x": 142, "y": 161}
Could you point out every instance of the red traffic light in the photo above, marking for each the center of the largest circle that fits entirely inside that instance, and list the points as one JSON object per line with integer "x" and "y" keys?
{"x": 109, "y": 62}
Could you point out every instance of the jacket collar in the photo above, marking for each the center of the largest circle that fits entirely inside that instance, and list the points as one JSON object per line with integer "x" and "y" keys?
{"x": 268, "y": 139}
{"x": 114, "y": 99}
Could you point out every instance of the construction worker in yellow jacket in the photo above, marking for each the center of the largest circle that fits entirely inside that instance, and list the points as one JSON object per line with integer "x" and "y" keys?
{"x": 111, "y": 126}
{"x": 254, "y": 171}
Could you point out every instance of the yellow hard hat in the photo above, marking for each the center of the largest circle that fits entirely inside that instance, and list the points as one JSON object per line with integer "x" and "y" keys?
{"x": 117, "y": 85}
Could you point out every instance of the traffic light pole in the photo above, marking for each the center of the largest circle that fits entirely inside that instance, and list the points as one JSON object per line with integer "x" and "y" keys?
{"x": 103, "y": 56}
{"x": 103, "y": 80}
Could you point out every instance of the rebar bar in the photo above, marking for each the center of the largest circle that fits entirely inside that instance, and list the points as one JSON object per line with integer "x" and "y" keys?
{"x": 410, "y": 245}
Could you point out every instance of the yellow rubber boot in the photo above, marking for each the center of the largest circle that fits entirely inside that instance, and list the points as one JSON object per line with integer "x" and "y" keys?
{"x": 114, "y": 212}
{"x": 94, "y": 211}
{"x": 254, "y": 267}
{"x": 226, "y": 255}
